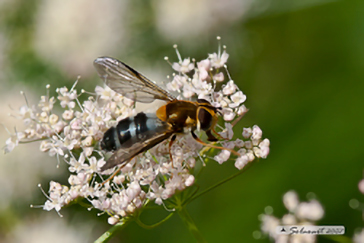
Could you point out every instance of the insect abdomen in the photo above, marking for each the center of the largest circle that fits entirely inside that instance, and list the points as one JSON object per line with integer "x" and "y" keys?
{"x": 132, "y": 130}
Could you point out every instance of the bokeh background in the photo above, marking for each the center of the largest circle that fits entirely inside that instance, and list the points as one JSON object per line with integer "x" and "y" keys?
{"x": 300, "y": 63}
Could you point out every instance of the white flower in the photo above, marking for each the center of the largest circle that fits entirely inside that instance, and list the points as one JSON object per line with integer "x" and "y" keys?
{"x": 184, "y": 67}
{"x": 222, "y": 156}
{"x": 228, "y": 133}
{"x": 359, "y": 237}
{"x": 218, "y": 61}
{"x": 228, "y": 114}
{"x": 229, "y": 88}
{"x": 269, "y": 225}
{"x": 11, "y": 143}
{"x": 177, "y": 83}
{"x": 191, "y": 162}
{"x": 157, "y": 192}
{"x": 256, "y": 133}
{"x": 56, "y": 197}
{"x": 241, "y": 162}
{"x": 113, "y": 220}
{"x": 188, "y": 91}
{"x": 289, "y": 219}
{"x": 242, "y": 110}
{"x": 203, "y": 69}
{"x": 237, "y": 99}
{"x": 76, "y": 124}
{"x": 105, "y": 93}
{"x": 190, "y": 180}
{"x": 133, "y": 190}
{"x": 27, "y": 115}
{"x": 248, "y": 144}
{"x": 81, "y": 178}
{"x": 290, "y": 200}
{"x": 247, "y": 132}
{"x": 361, "y": 186}
{"x": 46, "y": 104}
{"x": 68, "y": 142}
{"x": 239, "y": 143}
{"x": 67, "y": 98}
{"x": 53, "y": 119}
{"x": 264, "y": 148}
{"x": 94, "y": 165}
{"x": 219, "y": 77}
{"x": 310, "y": 210}
{"x": 77, "y": 165}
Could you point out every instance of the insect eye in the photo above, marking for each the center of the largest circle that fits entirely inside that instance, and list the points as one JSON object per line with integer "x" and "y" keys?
{"x": 205, "y": 119}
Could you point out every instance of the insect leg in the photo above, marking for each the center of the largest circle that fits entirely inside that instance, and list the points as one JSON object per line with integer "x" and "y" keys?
{"x": 213, "y": 146}
{"x": 170, "y": 145}
{"x": 221, "y": 137}
{"x": 238, "y": 119}
{"x": 116, "y": 172}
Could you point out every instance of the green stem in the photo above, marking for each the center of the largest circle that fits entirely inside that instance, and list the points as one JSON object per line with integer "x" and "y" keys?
{"x": 217, "y": 184}
{"x": 187, "y": 219}
{"x": 141, "y": 224}
{"x": 105, "y": 237}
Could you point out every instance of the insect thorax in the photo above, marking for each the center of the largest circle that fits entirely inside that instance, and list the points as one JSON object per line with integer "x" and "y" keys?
{"x": 180, "y": 114}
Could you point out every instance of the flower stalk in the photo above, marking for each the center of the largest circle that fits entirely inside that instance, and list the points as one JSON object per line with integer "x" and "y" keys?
{"x": 190, "y": 224}
{"x": 105, "y": 237}
{"x": 193, "y": 197}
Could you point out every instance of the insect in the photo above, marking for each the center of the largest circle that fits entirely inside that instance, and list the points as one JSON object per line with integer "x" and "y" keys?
{"x": 134, "y": 135}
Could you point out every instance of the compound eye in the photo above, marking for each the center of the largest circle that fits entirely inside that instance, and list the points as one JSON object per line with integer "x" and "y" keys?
{"x": 205, "y": 119}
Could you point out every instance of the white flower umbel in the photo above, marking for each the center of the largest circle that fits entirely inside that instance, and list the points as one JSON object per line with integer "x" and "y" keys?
{"x": 299, "y": 213}
{"x": 361, "y": 186}
{"x": 359, "y": 237}
{"x": 73, "y": 136}
{"x": 356, "y": 204}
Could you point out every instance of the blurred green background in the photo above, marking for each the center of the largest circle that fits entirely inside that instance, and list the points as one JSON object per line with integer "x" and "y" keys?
{"x": 300, "y": 63}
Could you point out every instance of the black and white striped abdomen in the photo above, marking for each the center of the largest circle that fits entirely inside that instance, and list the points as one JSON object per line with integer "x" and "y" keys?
{"x": 132, "y": 130}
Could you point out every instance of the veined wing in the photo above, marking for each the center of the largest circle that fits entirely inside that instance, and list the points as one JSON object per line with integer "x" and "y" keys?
{"x": 124, "y": 155}
{"x": 126, "y": 81}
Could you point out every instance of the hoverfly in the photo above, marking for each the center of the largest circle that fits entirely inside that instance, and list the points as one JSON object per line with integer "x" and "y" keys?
{"x": 134, "y": 135}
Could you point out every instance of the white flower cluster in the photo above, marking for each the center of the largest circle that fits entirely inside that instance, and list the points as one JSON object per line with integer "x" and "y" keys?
{"x": 359, "y": 236}
{"x": 361, "y": 186}
{"x": 355, "y": 204}
{"x": 300, "y": 213}
{"x": 74, "y": 136}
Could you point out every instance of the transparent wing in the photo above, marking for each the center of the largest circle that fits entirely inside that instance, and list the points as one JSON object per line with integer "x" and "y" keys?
{"x": 126, "y": 81}
{"x": 124, "y": 155}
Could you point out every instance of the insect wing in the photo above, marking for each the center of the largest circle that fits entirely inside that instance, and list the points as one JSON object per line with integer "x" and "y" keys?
{"x": 124, "y": 155}
{"x": 126, "y": 81}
